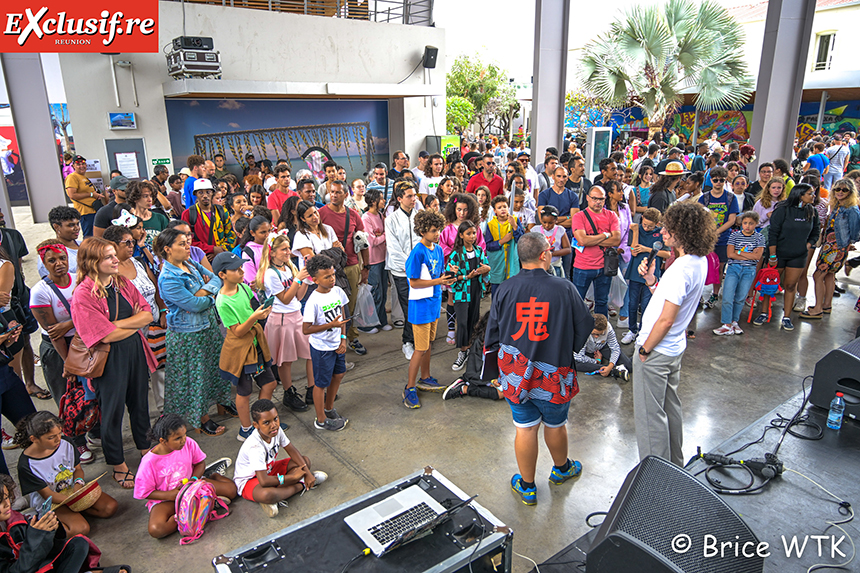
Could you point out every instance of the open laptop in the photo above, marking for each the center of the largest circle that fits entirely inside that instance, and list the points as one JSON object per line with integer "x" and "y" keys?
{"x": 399, "y": 519}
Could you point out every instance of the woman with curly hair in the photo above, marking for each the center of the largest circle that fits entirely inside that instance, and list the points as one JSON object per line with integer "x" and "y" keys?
{"x": 689, "y": 228}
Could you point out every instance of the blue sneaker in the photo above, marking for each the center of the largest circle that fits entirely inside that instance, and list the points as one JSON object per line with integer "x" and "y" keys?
{"x": 285, "y": 426}
{"x": 558, "y": 477}
{"x": 529, "y": 496}
{"x": 430, "y": 384}
{"x": 244, "y": 434}
{"x": 760, "y": 319}
{"x": 410, "y": 398}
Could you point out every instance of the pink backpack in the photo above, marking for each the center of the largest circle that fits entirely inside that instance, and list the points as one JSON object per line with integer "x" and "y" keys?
{"x": 196, "y": 504}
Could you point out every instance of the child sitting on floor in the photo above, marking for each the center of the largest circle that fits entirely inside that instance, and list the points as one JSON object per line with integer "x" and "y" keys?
{"x": 262, "y": 479}
{"x": 471, "y": 384}
{"x": 174, "y": 459}
{"x": 591, "y": 359}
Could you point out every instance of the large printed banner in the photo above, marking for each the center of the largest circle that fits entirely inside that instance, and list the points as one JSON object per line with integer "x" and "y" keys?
{"x": 80, "y": 26}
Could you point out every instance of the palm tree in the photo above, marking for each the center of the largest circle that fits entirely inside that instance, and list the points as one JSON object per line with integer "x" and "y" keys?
{"x": 653, "y": 53}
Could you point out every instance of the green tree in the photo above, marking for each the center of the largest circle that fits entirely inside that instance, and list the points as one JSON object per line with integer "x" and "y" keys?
{"x": 653, "y": 53}
{"x": 470, "y": 78}
{"x": 583, "y": 110}
{"x": 505, "y": 107}
{"x": 460, "y": 113}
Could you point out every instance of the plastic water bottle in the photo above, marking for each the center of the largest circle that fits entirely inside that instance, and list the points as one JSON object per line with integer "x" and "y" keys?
{"x": 837, "y": 407}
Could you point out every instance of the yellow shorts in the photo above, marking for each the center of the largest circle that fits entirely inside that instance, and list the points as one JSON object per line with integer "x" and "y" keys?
{"x": 424, "y": 334}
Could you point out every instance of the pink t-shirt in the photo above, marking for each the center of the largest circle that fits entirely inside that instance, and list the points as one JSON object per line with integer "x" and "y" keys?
{"x": 606, "y": 222}
{"x": 373, "y": 223}
{"x": 164, "y": 473}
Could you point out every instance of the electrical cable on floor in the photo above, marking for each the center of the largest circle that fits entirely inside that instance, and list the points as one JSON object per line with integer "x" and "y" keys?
{"x": 365, "y": 551}
{"x": 480, "y": 539}
{"x": 593, "y": 514}
{"x": 537, "y": 569}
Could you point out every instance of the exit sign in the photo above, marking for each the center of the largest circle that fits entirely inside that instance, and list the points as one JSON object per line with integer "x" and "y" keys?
{"x": 165, "y": 161}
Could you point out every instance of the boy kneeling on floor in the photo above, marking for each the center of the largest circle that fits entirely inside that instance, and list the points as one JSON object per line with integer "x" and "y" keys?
{"x": 592, "y": 358}
{"x": 258, "y": 476}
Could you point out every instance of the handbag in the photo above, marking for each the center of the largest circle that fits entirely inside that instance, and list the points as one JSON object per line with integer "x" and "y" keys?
{"x": 78, "y": 414}
{"x": 610, "y": 254}
{"x": 88, "y": 362}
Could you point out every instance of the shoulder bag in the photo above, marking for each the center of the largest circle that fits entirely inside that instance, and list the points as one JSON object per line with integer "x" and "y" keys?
{"x": 88, "y": 362}
{"x": 610, "y": 254}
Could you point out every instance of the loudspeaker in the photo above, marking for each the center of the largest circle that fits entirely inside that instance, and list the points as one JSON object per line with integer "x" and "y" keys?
{"x": 839, "y": 371}
{"x": 192, "y": 43}
{"x": 430, "y": 53}
{"x": 659, "y": 523}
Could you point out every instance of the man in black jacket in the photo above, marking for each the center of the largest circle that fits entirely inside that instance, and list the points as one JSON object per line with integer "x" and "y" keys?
{"x": 537, "y": 322}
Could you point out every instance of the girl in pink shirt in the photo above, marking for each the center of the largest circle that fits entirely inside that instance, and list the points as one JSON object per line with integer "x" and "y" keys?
{"x": 374, "y": 226}
{"x": 167, "y": 467}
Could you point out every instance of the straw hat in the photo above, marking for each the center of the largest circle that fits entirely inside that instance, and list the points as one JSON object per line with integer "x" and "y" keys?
{"x": 84, "y": 498}
{"x": 674, "y": 168}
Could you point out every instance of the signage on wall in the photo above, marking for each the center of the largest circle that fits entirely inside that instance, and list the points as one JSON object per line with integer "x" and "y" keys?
{"x": 80, "y": 26}
{"x": 163, "y": 161}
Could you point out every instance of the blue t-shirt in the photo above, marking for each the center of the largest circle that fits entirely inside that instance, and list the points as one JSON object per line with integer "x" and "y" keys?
{"x": 188, "y": 192}
{"x": 564, "y": 202}
{"x": 424, "y": 307}
{"x": 740, "y": 242}
{"x": 818, "y": 161}
{"x": 722, "y": 206}
{"x": 646, "y": 239}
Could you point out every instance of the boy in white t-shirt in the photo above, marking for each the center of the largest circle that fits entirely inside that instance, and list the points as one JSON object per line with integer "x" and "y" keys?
{"x": 325, "y": 323}
{"x": 258, "y": 476}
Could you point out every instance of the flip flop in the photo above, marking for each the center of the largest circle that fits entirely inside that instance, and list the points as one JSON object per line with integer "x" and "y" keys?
{"x": 125, "y": 479}
{"x": 41, "y": 394}
{"x": 827, "y": 310}
{"x": 806, "y": 315}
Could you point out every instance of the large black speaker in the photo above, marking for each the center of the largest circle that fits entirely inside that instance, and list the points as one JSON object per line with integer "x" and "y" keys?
{"x": 839, "y": 371}
{"x": 658, "y": 524}
{"x": 430, "y": 54}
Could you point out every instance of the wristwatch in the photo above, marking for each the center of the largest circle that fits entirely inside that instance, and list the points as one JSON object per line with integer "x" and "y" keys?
{"x": 643, "y": 352}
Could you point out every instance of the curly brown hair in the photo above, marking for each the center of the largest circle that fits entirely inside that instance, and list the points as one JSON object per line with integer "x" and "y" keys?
{"x": 692, "y": 226}
{"x": 425, "y": 220}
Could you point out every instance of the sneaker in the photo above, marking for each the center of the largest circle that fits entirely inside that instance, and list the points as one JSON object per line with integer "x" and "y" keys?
{"x": 786, "y": 324}
{"x": 373, "y": 330}
{"x": 408, "y": 350}
{"x": 219, "y": 467}
{"x": 225, "y": 499}
{"x": 455, "y": 390}
{"x": 398, "y": 324}
{"x": 319, "y": 478}
{"x": 357, "y": 347}
{"x": 332, "y": 425}
{"x": 460, "y": 361}
{"x": 270, "y": 509}
{"x": 9, "y": 442}
{"x": 309, "y": 396}
{"x": 87, "y": 456}
{"x": 332, "y": 414}
{"x": 558, "y": 477}
{"x": 799, "y": 304}
{"x": 623, "y": 322}
{"x": 244, "y": 434}
{"x": 623, "y": 373}
{"x": 430, "y": 384}
{"x": 724, "y": 330}
{"x": 612, "y": 312}
{"x": 349, "y": 366}
{"x": 387, "y": 327}
{"x": 529, "y": 496}
{"x": 629, "y": 337}
{"x": 760, "y": 319}
{"x": 285, "y": 426}
{"x": 410, "y": 398}
{"x": 712, "y": 301}
{"x": 293, "y": 401}
{"x": 94, "y": 442}
{"x": 736, "y": 328}
{"x": 590, "y": 304}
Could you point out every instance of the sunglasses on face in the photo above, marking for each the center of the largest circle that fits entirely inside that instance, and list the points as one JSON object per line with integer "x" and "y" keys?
{"x": 717, "y": 180}
{"x": 842, "y": 190}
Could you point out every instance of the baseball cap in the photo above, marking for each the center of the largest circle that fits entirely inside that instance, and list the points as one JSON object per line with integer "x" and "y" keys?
{"x": 79, "y": 158}
{"x": 526, "y": 153}
{"x": 423, "y": 153}
{"x": 119, "y": 182}
{"x": 226, "y": 261}
{"x": 202, "y": 184}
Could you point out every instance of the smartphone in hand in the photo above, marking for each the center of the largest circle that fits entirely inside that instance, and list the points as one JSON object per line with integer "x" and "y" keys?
{"x": 44, "y": 508}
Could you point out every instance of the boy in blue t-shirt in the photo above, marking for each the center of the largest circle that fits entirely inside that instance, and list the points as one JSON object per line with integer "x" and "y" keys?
{"x": 424, "y": 269}
{"x": 724, "y": 206}
{"x": 644, "y": 237}
{"x": 745, "y": 250}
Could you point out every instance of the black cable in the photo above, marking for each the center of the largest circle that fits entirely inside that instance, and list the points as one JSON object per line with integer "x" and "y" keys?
{"x": 354, "y": 559}
{"x": 412, "y": 72}
{"x": 590, "y": 515}
{"x": 480, "y": 539}
{"x": 717, "y": 485}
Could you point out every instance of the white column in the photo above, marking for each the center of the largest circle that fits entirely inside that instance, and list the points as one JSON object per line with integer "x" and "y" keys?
{"x": 552, "y": 23}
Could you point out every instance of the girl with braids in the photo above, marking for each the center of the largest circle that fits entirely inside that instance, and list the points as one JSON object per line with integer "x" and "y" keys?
{"x": 50, "y": 466}
{"x": 279, "y": 277}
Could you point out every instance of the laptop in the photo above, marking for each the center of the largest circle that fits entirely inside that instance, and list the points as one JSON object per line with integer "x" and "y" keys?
{"x": 395, "y": 521}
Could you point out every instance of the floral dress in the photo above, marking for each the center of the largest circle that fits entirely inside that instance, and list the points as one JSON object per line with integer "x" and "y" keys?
{"x": 831, "y": 257}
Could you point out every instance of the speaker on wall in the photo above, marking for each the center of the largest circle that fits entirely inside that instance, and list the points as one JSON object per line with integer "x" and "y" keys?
{"x": 658, "y": 524}
{"x": 839, "y": 371}
{"x": 430, "y": 54}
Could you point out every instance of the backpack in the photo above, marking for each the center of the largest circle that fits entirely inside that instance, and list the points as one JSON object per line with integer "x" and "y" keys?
{"x": 197, "y": 504}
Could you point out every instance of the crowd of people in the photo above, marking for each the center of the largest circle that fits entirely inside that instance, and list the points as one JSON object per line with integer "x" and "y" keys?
{"x": 202, "y": 287}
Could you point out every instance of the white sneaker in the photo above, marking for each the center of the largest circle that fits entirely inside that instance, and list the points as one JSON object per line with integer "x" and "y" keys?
{"x": 800, "y": 304}
{"x": 387, "y": 327}
{"x": 408, "y": 350}
{"x": 736, "y": 328}
{"x": 350, "y": 366}
{"x": 271, "y": 509}
{"x": 629, "y": 337}
{"x": 724, "y": 330}
{"x": 373, "y": 330}
{"x": 625, "y": 323}
{"x": 320, "y": 478}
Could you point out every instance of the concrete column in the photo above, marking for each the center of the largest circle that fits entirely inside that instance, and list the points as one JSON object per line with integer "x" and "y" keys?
{"x": 694, "y": 138}
{"x": 31, "y": 114}
{"x": 4, "y": 203}
{"x": 787, "y": 33}
{"x": 552, "y": 22}
{"x": 821, "y": 107}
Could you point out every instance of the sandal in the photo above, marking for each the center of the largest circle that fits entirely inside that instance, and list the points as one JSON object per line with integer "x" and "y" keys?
{"x": 450, "y": 340}
{"x": 210, "y": 428}
{"x": 827, "y": 310}
{"x": 691, "y": 334}
{"x": 41, "y": 394}
{"x": 808, "y": 316}
{"x": 125, "y": 479}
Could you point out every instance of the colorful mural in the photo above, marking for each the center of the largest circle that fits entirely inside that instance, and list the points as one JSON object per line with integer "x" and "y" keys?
{"x": 729, "y": 125}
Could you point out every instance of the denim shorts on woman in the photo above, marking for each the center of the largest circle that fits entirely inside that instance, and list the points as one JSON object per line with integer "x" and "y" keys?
{"x": 533, "y": 412}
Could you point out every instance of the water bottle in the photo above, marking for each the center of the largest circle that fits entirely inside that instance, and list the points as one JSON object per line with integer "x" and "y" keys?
{"x": 837, "y": 407}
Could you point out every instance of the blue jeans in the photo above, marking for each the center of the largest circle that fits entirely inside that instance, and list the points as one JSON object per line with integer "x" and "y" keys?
{"x": 378, "y": 279}
{"x": 736, "y": 285}
{"x": 831, "y": 177}
{"x": 640, "y": 296}
{"x": 582, "y": 279}
{"x": 87, "y": 224}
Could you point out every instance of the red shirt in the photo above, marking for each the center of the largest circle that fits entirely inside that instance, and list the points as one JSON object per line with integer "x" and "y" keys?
{"x": 337, "y": 221}
{"x": 277, "y": 199}
{"x": 606, "y": 222}
{"x": 496, "y": 185}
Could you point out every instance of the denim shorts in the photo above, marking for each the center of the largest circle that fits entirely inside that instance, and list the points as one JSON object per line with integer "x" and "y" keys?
{"x": 533, "y": 412}
{"x": 326, "y": 364}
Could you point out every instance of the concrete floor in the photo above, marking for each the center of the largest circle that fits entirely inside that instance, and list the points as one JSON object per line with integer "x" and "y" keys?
{"x": 727, "y": 383}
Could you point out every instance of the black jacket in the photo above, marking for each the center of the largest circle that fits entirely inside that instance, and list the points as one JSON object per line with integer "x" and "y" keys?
{"x": 791, "y": 228}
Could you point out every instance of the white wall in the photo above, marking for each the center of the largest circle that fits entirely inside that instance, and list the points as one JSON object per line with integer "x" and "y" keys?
{"x": 254, "y": 45}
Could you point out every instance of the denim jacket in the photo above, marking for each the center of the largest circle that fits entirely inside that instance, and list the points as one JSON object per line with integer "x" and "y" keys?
{"x": 847, "y": 226}
{"x": 186, "y": 312}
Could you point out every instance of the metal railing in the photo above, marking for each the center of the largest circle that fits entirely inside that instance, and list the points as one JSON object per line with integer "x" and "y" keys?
{"x": 413, "y": 12}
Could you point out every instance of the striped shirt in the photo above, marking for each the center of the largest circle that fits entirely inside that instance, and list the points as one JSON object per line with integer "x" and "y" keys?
{"x": 740, "y": 242}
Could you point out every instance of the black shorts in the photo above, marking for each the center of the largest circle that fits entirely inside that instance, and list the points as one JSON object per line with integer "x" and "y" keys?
{"x": 793, "y": 263}
{"x": 246, "y": 382}
{"x": 722, "y": 253}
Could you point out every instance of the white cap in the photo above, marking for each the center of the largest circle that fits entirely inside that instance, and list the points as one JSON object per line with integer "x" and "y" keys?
{"x": 202, "y": 184}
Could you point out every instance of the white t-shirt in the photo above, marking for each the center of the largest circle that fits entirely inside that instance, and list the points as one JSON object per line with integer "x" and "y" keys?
{"x": 682, "y": 285}
{"x": 428, "y": 185}
{"x": 41, "y": 296}
{"x": 73, "y": 263}
{"x": 256, "y": 455}
{"x": 276, "y": 281}
{"x": 322, "y": 308}
{"x": 312, "y": 241}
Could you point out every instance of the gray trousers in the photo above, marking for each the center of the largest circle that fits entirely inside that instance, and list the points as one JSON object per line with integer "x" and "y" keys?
{"x": 656, "y": 406}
